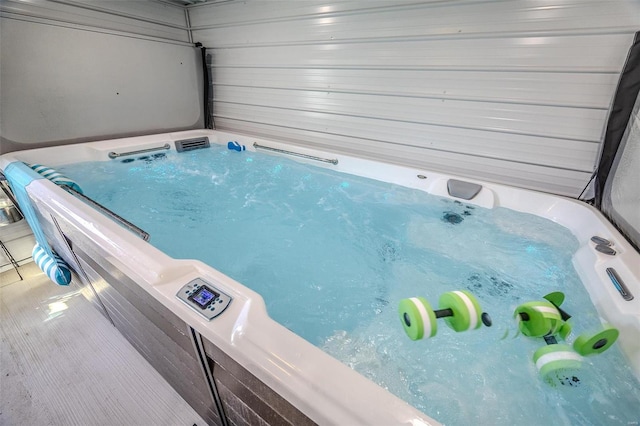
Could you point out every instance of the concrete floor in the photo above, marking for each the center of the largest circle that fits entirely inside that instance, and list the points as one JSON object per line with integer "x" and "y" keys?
{"x": 63, "y": 363}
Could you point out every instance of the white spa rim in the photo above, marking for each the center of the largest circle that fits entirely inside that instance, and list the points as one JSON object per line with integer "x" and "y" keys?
{"x": 320, "y": 386}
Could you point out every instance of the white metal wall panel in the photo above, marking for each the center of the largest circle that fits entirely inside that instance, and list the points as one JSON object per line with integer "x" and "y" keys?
{"x": 155, "y": 10}
{"x": 508, "y": 91}
{"x": 73, "y": 71}
{"x": 143, "y": 18}
{"x": 420, "y": 22}
{"x": 525, "y": 149}
{"x": 591, "y": 90}
{"x": 206, "y": 15}
{"x": 488, "y": 116}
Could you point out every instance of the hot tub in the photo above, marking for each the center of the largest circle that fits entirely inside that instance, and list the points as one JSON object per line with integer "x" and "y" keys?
{"x": 241, "y": 366}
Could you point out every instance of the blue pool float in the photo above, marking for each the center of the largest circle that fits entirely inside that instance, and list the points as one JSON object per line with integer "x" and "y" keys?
{"x": 235, "y": 146}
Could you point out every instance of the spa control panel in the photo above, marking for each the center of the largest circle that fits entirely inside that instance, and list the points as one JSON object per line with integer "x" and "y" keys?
{"x": 204, "y": 298}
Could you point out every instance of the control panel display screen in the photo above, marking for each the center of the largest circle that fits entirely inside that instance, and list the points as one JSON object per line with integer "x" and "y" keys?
{"x": 204, "y": 296}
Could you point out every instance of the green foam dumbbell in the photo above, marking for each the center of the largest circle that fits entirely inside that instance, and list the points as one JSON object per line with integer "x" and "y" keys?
{"x": 417, "y": 317}
{"x": 465, "y": 310}
{"x": 587, "y": 344}
{"x": 460, "y": 310}
{"x": 538, "y": 319}
{"x": 556, "y": 360}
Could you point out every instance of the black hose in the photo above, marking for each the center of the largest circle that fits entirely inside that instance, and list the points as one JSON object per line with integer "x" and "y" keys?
{"x": 208, "y": 117}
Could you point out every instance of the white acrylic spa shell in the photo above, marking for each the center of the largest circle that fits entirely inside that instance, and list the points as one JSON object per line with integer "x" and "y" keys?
{"x": 321, "y": 387}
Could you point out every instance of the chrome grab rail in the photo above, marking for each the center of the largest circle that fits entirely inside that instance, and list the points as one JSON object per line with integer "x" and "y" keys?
{"x": 113, "y": 154}
{"x": 130, "y": 226}
{"x": 296, "y": 154}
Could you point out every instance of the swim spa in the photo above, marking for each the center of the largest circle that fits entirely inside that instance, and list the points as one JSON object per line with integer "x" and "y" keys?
{"x": 275, "y": 357}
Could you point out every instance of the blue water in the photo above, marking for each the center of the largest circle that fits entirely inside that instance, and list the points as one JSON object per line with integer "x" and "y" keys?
{"x": 333, "y": 254}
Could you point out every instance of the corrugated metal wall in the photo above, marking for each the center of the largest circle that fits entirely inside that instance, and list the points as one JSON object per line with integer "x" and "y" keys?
{"x": 505, "y": 91}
